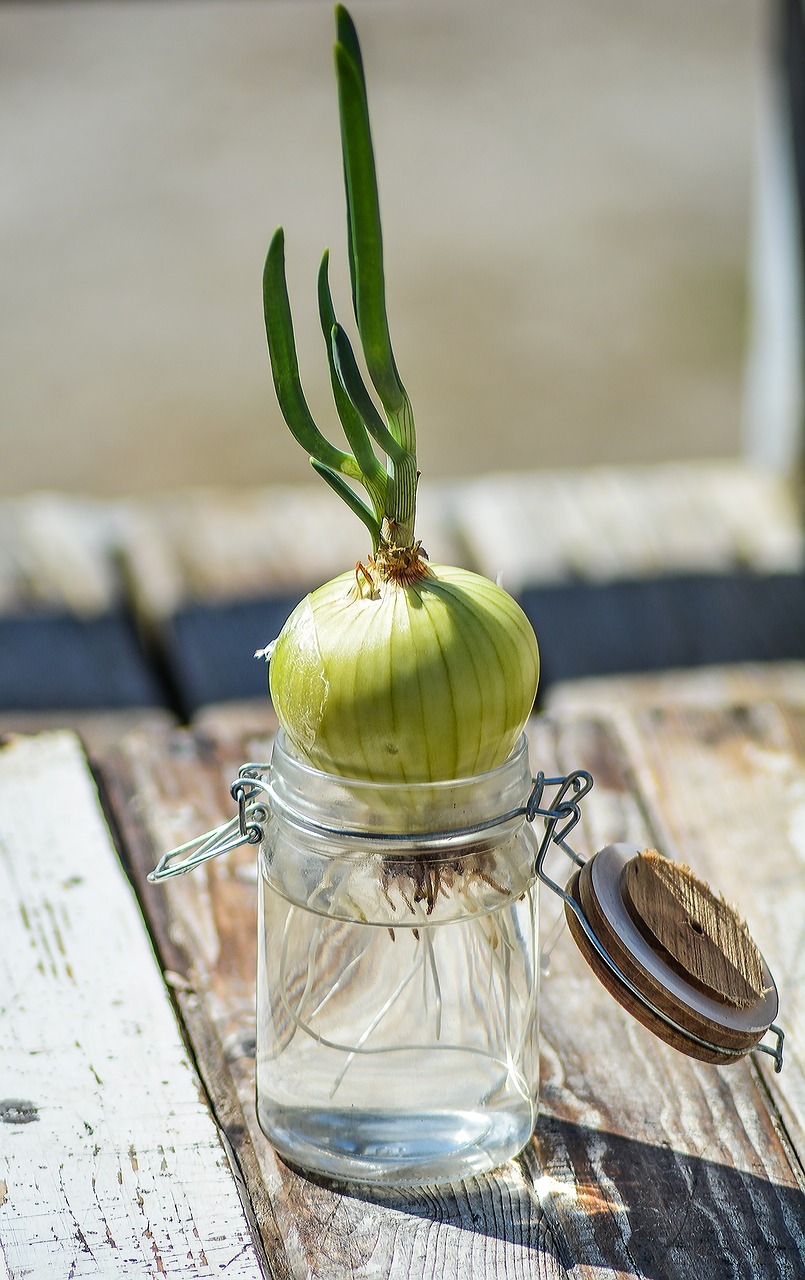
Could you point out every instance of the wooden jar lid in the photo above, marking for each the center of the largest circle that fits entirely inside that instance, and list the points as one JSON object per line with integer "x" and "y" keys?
{"x": 683, "y": 948}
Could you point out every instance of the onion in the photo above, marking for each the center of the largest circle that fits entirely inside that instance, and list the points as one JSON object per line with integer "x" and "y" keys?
{"x": 411, "y": 682}
{"x": 399, "y": 671}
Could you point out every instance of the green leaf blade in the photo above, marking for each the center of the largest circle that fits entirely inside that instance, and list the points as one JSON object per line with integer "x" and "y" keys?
{"x": 374, "y": 475}
{"x": 365, "y": 234}
{"x": 349, "y": 376}
{"x": 285, "y": 367}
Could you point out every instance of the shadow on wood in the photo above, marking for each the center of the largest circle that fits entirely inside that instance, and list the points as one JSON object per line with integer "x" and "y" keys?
{"x": 667, "y": 1197}
{"x": 59, "y": 661}
{"x": 757, "y": 1217}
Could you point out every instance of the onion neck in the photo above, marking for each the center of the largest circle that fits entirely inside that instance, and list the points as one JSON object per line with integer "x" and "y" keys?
{"x": 399, "y": 514}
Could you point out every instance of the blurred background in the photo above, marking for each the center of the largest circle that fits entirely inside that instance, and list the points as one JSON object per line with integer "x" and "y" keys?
{"x": 593, "y": 257}
{"x": 567, "y": 191}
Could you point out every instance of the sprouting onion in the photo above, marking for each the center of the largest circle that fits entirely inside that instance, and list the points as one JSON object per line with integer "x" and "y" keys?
{"x": 400, "y": 670}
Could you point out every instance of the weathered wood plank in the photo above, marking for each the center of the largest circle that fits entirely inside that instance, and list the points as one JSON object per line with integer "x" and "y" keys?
{"x": 109, "y": 1161}
{"x": 206, "y": 924}
{"x": 97, "y": 730}
{"x": 57, "y": 552}
{"x": 732, "y": 804}
{"x": 218, "y": 545}
{"x": 608, "y": 523}
{"x": 211, "y": 574}
{"x": 633, "y": 1139}
{"x": 716, "y": 687}
{"x": 67, "y": 636}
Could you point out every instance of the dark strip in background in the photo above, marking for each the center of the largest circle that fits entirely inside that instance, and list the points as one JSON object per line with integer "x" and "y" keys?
{"x": 204, "y": 653}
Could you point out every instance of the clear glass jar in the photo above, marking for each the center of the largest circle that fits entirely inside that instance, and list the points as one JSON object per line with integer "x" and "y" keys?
{"x": 398, "y": 970}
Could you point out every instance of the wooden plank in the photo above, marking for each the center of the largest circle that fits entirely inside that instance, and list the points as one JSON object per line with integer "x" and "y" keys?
{"x": 66, "y": 634}
{"x": 250, "y": 719}
{"x": 57, "y": 552}
{"x": 732, "y": 805}
{"x": 216, "y": 544}
{"x": 644, "y": 1163}
{"x": 735, "y": 686}
{"x": 98, "y": 731}
{"x": 213, "y": 574}
{"x": 219, "y": 546}
{"x": 601, "y": 524}
{"x": 634, "y": 1140}
{"x": 206, "y": 925}
{"x": 109, "y": 1161}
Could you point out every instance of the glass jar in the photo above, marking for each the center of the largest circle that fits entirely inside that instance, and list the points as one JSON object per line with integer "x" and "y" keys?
{"x": 398, "y": 970}
{"x": 397, "y": 984}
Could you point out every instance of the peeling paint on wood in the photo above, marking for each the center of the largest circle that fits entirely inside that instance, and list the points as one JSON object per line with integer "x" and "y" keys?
{"x": 109, "y": 1160}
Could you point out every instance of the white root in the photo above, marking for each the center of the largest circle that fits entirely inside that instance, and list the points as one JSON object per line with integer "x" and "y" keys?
{"x": 498, "y": 940}
{"x": 434, "y": 972}
{"x": 375, "y": 1023}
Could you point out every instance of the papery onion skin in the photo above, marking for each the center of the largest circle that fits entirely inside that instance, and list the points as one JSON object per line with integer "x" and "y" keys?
{"x": 420, "y": 682}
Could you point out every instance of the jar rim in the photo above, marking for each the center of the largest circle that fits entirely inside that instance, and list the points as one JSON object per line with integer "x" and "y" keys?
{"x": 308, "y": 797}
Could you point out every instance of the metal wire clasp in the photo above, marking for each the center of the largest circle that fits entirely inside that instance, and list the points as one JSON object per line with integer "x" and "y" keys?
{"x": 560, "y": 818}
{"x": 246, "y": 828}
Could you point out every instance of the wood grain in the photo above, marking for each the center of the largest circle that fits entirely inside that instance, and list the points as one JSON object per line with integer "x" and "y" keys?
{"x": 109, "y": 1162}
{"x": 644, "y": 1163}
{"x": 717, "y": 687}
{"x": 98, "y": 731}
{"x": 648, "y": 1153}
{"x": 709, "y": 1022}
{"x": 206, "y": 927}
{"x": 732, "y": 803}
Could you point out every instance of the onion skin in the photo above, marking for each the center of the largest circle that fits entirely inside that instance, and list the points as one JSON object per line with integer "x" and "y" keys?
{"x": 417, "y": 682}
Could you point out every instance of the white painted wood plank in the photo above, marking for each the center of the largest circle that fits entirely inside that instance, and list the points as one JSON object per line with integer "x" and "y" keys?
{"x": 110, "y": 1163}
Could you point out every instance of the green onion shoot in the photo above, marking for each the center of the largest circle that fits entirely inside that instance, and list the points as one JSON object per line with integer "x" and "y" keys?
{"x": 398, "y": 670}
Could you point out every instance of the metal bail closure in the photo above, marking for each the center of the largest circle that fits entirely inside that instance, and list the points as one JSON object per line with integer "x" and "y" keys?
{"x": 673, "y": 954}
{"x": 247, "y": 828}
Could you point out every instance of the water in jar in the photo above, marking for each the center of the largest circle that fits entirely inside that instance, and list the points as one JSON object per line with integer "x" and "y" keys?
{"x": 398, "y": 1052}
